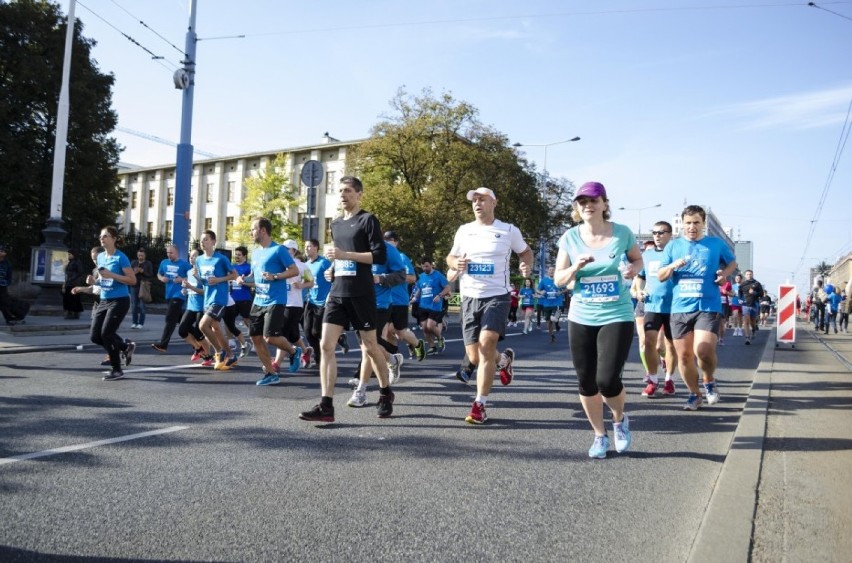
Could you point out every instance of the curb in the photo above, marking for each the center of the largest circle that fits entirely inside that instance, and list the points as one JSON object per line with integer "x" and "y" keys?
{"x": 726, "y": 530}
{"x": 52, "y": 348}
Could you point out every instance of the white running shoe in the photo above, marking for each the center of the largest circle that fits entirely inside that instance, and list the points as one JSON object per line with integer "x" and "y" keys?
{"x": 393, "y": 368}
{"x": 358, "y": 399}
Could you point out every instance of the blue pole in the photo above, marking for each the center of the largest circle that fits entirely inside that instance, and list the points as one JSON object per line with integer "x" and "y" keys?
{"x": 183, "y": 166}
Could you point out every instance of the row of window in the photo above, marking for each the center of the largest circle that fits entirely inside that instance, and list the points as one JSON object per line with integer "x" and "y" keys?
{"x": 167, "y": 226}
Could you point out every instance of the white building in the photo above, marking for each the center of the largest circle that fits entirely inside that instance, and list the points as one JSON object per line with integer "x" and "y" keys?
{"x": 218, "y": 188}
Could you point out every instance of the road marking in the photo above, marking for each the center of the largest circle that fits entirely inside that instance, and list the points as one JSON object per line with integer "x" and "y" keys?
{"x": 66, "y": 449}
{"x": 159, "y": 368}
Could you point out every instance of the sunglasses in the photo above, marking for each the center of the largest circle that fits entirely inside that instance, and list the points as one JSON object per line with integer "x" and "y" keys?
{"x": 660, "y": 232}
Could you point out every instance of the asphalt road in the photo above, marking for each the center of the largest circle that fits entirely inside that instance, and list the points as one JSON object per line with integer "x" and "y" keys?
{"x": 246, "y": 480}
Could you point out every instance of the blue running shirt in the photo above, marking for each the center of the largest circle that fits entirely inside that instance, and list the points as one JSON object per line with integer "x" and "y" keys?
{"x": 695, "y": 286}
{"x": 274, "y": 259}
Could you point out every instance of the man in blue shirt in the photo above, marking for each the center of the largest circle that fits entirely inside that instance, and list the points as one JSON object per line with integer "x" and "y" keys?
{"x": 550, "y": 297}
{"x": 397, "y": 327}
{"x": 432, "y": 286}
{"x": 172, "y": 272}
{"x": 214, "y": 272}
{"x": 315, "y": 303}
{"x": 693, "y": 262}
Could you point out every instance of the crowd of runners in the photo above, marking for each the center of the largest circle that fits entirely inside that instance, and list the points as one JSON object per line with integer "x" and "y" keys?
{"x": 682, "y": 295}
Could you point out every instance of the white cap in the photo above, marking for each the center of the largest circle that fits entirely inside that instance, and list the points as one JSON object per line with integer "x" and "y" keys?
{"x": 291, "y": 244}
{"x": 481, "y": 191}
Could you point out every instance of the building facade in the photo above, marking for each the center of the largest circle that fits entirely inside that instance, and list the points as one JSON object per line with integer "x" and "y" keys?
{"x": 218, "y": 188}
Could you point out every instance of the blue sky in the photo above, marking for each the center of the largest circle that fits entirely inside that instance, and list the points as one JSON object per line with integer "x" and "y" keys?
{"x": 738, "y": 105}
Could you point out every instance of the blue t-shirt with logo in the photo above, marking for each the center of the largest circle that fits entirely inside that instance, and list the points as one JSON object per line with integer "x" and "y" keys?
{"x": 393, "y": 263}
{"x": 172, "y": 270}
{"x": 399, "y": 293}
{"x": 526, "y": 296}
{"x": 110, "y": 288}
{"x": 430, "y": 285}
{"x": 274, "y": 259}
{"x": 695, "y": 287}
{"x": 215, "y": 266}
{"x": 659, "y": 293}
{"x": 319, "y": 292}
{"x": 240, "y": 292}
{"x": 552, "y": 294}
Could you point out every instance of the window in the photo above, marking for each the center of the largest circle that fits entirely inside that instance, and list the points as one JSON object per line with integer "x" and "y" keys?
{"x": 232, "y": 191}
{"x": 152, "y": 198}
{"x": 170, "y": 196}
{"x": 150, "y": 229}
{"x": 208, "y": 224}
{"x": 132, "y": 228}
{"x": 134, "y": 199}
{"x": 210, "y": 189}
{"x": 229, "y": 223}
{"x": 330, "y": 182}
{"x": 168, "y": 232}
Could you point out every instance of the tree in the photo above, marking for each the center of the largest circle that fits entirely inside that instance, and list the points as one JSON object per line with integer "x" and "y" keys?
{"x": 268, "y": 194}
{"x": 32, "y": 44}
{"x": 421, "y": 160}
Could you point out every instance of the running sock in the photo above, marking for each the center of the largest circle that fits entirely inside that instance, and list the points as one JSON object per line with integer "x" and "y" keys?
{"x": 481, "y": 399}
{"x": 653, "y": 378}
{"x": 362, "y": 386}
{"x": 326, "y": 402}
{"x": 384, "y": 390}
{"x": 668, "y": 377}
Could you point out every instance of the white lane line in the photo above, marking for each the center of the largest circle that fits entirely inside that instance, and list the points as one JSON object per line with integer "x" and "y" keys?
{"x": 88, "y": 445}
{"x": 158, "y": 368}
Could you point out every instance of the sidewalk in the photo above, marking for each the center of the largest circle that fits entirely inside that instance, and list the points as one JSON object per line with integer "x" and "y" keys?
{"x": 783, "y": 493}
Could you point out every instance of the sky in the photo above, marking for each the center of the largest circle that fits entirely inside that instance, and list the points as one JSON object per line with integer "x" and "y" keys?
{"x": 737, "y": 105}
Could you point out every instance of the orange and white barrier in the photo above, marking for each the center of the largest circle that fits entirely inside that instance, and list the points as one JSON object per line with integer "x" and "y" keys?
{"x": 786, "y": 319}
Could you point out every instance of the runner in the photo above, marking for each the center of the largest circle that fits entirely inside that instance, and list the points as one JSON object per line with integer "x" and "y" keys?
{"x": 432, "y": 286}
{"x": 550, "y": 299}
{"x": 527, "y": 298}
{"x": 750, "y": 293}
{"x": 765, "y": 308}
{"x": 598, "y": 255}
{"x": 172, "y": 272}
{"x": 293, "y": 312}
{"x": 357, "y": 245}
{"x": 214, "y": 272}
{"x": 397, "y": 329}
{"x": 692, "y": 262}
{"x": 241, "y": 294}
{"x": 315, "y": 303}
{"x": 271, "y": 267}
{"x": 188, "y": 328}
{"x": 480, "y": 253}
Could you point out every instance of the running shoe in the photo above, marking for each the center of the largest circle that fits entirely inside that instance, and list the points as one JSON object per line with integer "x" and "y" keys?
{"x": 295, "y": 358}
{"x": 464, "y": 375}
{"x": 507, "y": 358}
{"x": 232, "y": 361}
{"x": 354, "y": 382}
{"x": 343, "y": 342}
{"x": 384, "y": 408}
{"x": 318, "y": 414}
{"x": 650, "y": 390}
{"x": 307, "y": 355}
{"x": 412, "y": 352}
{"x": 113, "y": 375}
{"x": 106, "y": 361}
{"x": 420, "y": 350}
{"x": 158, "y": 348}
{"x": 712, "y": 393}
{"x": 432, "y": 351}
{"x": 276, "y": 367}
{"x": 393, "y": 369}
{"x": 477, "y": 414}
{"x": 647, "y": 378}
{"x": 196, "y": 355}
{"x": 669, "y": 387}
{"x": 622, "y": 434}
{"x": 245, "y": 350}
{"x": 219, "y": 360}
{"x": 208, "y": 361}
{"x": 693, "y": 403}
{"x": 269, "y": 379}
{"x": 358, "y": 399}
{"x": 442, "y": 345}
{"x": 128, "y": 353}
{"x": 599, "y": 447}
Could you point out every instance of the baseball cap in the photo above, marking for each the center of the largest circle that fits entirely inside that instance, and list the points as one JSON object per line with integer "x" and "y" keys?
{"x": 391, "y": 235}
{"x": 591, "y": 189}
{"x": 290, "y": 243}
{"x": 481, "y": 191}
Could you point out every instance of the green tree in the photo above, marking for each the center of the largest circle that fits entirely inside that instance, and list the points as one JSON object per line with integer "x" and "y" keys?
{"x": 421, "y": 160}
{"x": 823, "y": 269}
{"x": 268, "y": 194}
{"x": 32, "y": 44}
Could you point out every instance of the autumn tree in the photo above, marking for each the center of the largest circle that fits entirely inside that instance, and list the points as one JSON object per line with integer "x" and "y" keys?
{"x": 32, "y": 44}
{"x": 423, "y": 157}
{"x": 268, "y": 194}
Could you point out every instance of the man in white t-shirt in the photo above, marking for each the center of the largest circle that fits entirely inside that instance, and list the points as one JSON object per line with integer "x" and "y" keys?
{"x": 481, "y": 252}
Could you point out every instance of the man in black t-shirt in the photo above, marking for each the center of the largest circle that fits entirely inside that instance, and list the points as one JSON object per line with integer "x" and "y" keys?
{"x": 358, "y": 244}
{"x": 751, "y": 291}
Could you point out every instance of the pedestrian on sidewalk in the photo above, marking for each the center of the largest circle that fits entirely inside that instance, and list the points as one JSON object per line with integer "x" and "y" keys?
{"x": 5, "y": 282}
{"x": 144, "y": 271}
{"x": 75, "y": 276}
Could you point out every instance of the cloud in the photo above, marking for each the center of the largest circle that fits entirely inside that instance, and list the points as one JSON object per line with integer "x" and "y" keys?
{"x": 807, "y": 110}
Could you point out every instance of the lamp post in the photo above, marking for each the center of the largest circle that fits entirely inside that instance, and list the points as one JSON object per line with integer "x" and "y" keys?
{"x": 542, "y": 262}
{"x": 640, "y": 210}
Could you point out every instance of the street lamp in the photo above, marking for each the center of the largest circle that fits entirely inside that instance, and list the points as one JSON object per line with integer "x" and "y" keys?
{"x": 640, "y": 210}
{"x": 541, "y": 258}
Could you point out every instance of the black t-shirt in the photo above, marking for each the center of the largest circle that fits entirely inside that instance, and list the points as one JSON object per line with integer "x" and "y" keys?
{"x": 359, "y": 233}
{"x": 750, "y": 299}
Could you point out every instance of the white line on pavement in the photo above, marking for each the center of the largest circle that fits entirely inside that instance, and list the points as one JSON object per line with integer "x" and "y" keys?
{"x": 66, "y": 449}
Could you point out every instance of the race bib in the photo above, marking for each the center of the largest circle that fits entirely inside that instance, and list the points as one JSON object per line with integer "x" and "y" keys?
{"x": 551, "y": 295}
{"x": 345, "y": 268}
{"x": 599, "y": 289}
{"x": 481, "y": 269}
{"x": 171, "y": 272}
{"x": 690, "y": 288}
{"x": 106, "y": 283}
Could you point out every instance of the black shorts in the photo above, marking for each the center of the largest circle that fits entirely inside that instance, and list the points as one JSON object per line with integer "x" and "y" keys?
{"x": 424, "y": 315}
{"x": 215, "y": 311}
{"x": 639, "y": 310}
{"x": 653, "y": 322}
{"x": 359, "y": 312}
{"x": 292, "y": 321}
{"x": 684, "y": 323}
{"x": 399, "y": 316}
{"x": 726, "y": 310}
{"x": 243, "y": 308}
{"x": 267, "y": 321}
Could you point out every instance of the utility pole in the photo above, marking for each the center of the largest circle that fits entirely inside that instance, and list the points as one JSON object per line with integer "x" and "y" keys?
{"x": 184, "y": 79}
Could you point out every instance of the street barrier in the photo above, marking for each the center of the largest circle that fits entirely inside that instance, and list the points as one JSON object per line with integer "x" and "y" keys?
{"x": 786, "y": 319}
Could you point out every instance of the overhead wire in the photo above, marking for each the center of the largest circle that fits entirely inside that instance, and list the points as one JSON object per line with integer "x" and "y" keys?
{"x": 814, "y": 4}
{"x": 149, "y": 28}
{"x": 155, "y": 57}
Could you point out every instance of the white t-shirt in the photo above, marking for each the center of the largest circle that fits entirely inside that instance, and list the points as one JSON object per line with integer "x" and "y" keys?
{"x": 488, "y": 249}
{"x": 294, "y": 294}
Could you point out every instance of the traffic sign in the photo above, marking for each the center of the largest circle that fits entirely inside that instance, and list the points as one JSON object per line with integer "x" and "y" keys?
{"x": 312, "y": 173}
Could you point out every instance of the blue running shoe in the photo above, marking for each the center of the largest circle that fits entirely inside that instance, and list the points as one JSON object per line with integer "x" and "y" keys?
{"x": 599, "y": 447}
{"x": 622, "y": 434}
{"x": 295, "y": 359}
{"x": 269, "y": 379}
{"x": 693, "y": 403}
